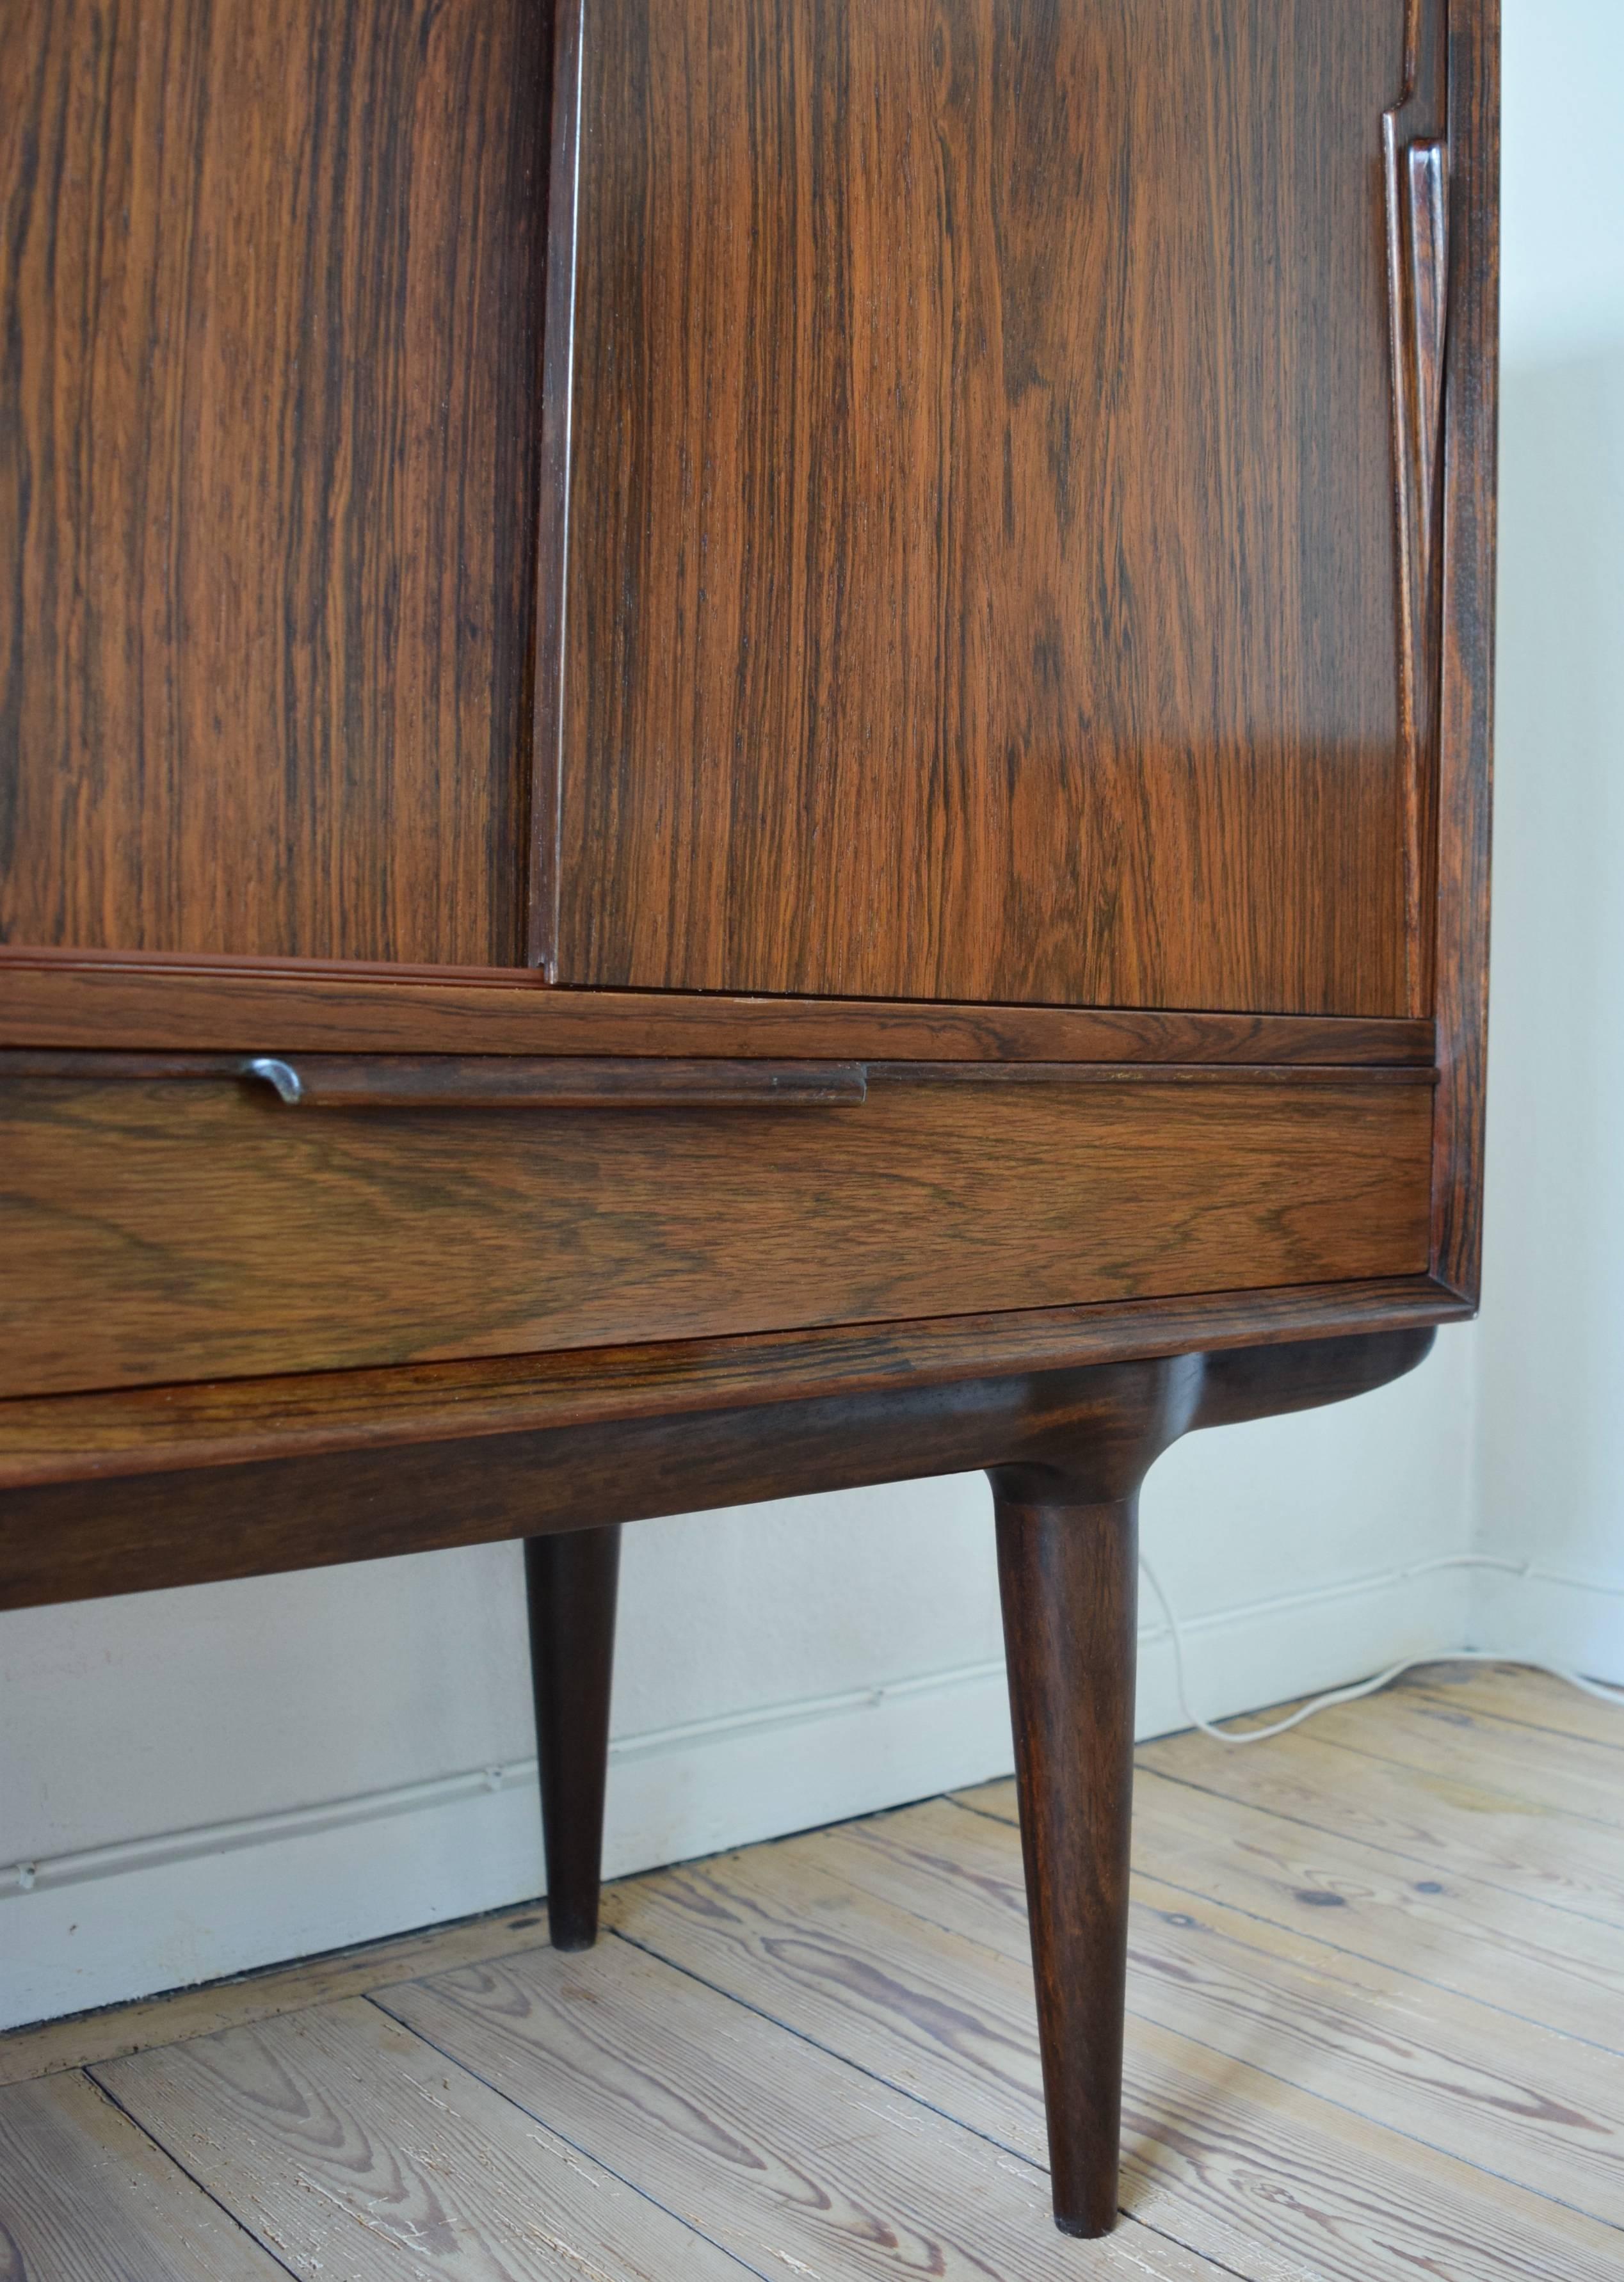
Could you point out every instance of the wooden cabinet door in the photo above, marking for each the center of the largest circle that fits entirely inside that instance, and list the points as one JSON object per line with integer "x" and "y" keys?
{"x": 969, "y": 567}
{"x": 270, "y": 298}
{"x": 973, "y": 553}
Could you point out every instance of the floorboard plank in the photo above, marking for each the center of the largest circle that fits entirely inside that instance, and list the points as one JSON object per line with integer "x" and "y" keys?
{"x": 1537, "y": 1700}
{"x": 667, "y": 2079}
{"x": 1519, "y": 1956}
{"x": 810, "y": 1934}
{"x": 350, "y": 2147}
{"x": 85, "y": 2197}
{"x": 1445, "y": 1823}
{"x": 1537, "y": 1773}
{"x": 801, "y": 2163}
{"x": 84, "y": 2038}
{"x": 1376, "y": 2019}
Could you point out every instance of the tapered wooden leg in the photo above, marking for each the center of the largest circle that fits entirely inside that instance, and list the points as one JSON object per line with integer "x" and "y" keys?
{"x": 1067, "y": 1574}
{"x": 571, "y": 1580}
{"x": 1068, "y": 1537}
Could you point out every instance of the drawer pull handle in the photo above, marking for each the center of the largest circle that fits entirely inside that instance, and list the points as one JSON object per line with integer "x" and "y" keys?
{"x": 525, "y": 1082}
{"x": 474, "y": 1081}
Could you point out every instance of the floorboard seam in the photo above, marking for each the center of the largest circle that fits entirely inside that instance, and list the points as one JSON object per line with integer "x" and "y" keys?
{"x": 1300, "y": 1822}
{"x": 1515, "y": 1804}
{"x": 174, "y": 2161}
{"x": 1340, "y": 2107}
{"x": 902, "y": 2091}
{"x": 1441, "y": 1697}
{"x": 548, "y": 2124}
{"x": 1381, "y": 1965}
{"x": 1412, "y": 2139}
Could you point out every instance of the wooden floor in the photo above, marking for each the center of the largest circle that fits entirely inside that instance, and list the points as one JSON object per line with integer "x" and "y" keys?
{"x": 1376, "y": 2006}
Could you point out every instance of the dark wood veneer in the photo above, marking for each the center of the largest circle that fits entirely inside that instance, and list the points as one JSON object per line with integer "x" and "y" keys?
{"x": 107, "y": 1436}
{"x": 162, "y": 1231}
{"x": 638, "y": 1081}
{"x": 843, "y": 534}
{"x": 521, "y": 1082}
{"x": 70, "y": 1001}
{"x": 558, "y": 442}
{"x": 1067, "y": 1541}
{"x": 981, "y": 566}
{"x": 1415, "y": 161}
{"x": 571, "y": 1580}
{"x": 1466, "y": 702}
{"x": 1068, "y": 1550}
{"x": 266, "y": 465}
{"x": 125, "y": 1531}
{"x": 1066, "y": 1451}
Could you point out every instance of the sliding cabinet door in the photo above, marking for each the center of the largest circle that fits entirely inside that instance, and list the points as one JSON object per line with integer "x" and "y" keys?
{"x": 270, "y": 298}
{"x": 972, "y": 552}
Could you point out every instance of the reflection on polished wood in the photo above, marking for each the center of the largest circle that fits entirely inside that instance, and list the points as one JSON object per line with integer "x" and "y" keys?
{"x": 269, "y": 281}
{"x": 931, "y": 566}
{"x": 1003, "y": 453}
{"x": 231, "y": 1236}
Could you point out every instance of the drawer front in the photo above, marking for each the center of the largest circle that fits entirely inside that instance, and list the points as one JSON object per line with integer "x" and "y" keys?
{"x": 155, "y": 1231}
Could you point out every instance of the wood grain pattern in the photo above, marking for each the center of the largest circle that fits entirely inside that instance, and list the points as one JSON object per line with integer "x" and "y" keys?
{"x": 1340, "y": 2064}
{"x": 1419, "y": 1816}
{"x": 74, "y": 1539}
{"x": 1415, "y": 169}
{"x": 1466, "y": 702}
{"x": 629, "y": 1082}
{"x": 151, "y": 1237}
{"x": 638, "y": 2053}
{"x": 348, "y": 2145}
{"x": 85, "y": 2197}
{"x": 489, "y": 1081}
{"x": 1429, "y": 2061}
{"x": 803, "y": 1931}
{"x": 1535, "y": 1700}
{"x": 54, "y": 2047}
{"x": 214, "y": 1423}
{"x": 815, "y": 2169}
{"x": 1518, "y": 1959}
{"x": 1065, "y": 1487}
{"x": 521, "y": 1082}
{"x": 557, "y": 416}
{"x": 1067, "y": 1551}
{"x": 1443, "y": 1738}
{"x": 270, "y": 300}
{"x": 73, "y": 1002}
{"x": 826, "y": 1934}
{"x": 1454, "y": 1932}
{"x": 982, "y": 560}
{"x": 1514, "y": 1961}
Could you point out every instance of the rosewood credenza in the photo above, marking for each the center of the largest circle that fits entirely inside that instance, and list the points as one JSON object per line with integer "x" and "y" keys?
{"x": 743, "y": 747}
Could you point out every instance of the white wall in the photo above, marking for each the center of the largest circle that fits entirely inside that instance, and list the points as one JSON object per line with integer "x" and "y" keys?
{"x": 200, "y": 1781}
{"x": 1552, "y": 1416}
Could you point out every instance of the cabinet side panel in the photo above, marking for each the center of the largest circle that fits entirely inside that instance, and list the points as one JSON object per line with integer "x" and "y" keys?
{"x": 1466, "y": 717}
{"x": 983, "y": 578}
{"x": 268, "y": 301}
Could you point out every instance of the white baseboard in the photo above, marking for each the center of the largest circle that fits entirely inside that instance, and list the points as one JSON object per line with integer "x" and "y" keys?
{"x": 160, "y": 1913}
{"x": 1574, "y": 1621}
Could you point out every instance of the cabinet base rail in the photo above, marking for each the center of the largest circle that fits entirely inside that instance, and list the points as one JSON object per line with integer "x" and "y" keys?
{"x": 1066, "y": 1452}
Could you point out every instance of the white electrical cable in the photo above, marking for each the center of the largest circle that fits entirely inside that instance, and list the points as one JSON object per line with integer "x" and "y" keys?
{"x": 1599, "y": 1689}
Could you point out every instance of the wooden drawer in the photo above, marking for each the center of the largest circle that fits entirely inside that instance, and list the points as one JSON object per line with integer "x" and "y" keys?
{"x": 176, "y": 1227}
